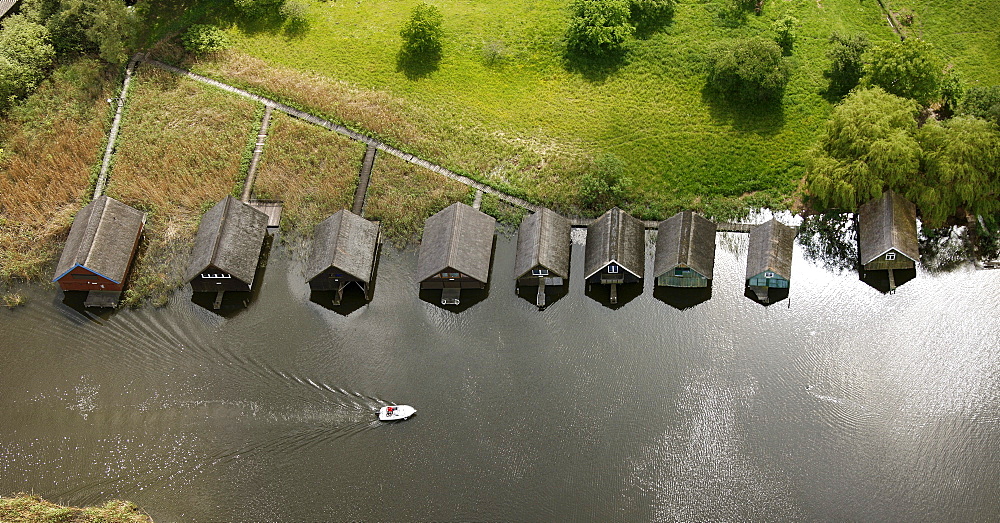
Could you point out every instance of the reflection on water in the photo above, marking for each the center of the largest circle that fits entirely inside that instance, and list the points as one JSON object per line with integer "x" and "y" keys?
{"x": 840, "y": 403}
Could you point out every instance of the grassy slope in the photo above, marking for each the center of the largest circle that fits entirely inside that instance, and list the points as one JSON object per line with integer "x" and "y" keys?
{"x": 965, "y": 32}
{"x": 51, "y": 143}
{"x": 178, "y": 153}
{"x": 313, "y": 170}
{"x": 402, "y": 196}
{"x": 27, "y": 508}
{"x": 651, "y": 113}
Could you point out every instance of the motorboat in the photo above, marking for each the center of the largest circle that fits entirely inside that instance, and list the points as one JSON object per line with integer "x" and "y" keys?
{"x": 396, "y": 412}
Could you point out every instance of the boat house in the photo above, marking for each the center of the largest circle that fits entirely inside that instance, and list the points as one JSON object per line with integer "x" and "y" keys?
{"x": 455, "y": 251}
{"x": 543, "y": 248}
{"x": 685, "y": 251}
{"x": 887, "y": 235}
{"x": 227, "y": 248}
{"x": 769, "y": 258}
{"x": 615, "y": 252}
{"x": 344, "y": 252}
{"x": 99, "y": 250}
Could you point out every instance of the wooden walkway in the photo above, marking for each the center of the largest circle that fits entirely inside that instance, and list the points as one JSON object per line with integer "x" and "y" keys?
{"x": 363, "y": 179}
{"x": 272, "y": 208}
{"x": 653, "y": 224}
{"x": 258, "y": 148}
{"x": 102, "y": 178}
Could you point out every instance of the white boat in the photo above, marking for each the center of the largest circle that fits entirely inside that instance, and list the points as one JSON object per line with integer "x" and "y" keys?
{"x": 396, "y": 412}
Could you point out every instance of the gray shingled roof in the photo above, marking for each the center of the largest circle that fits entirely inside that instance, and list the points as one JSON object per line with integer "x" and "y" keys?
{"x": 619, "y": 237}
{"x": 458, "y": 237}
{"x": 229, "y": 238}
{"x": 685, "y": 239}
{"x": 771, "y": 249}
{"x": 543, "y": 239}
{"x": 885, "y": 223}
{"x": 345, "y": 241}
{"x": 101, "y": 239}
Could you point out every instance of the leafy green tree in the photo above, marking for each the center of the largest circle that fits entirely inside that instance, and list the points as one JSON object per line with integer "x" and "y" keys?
{"x": 422, "y": 33}
{"x": 647, "y": 15}
{"x": 600, "y": 28}
{"x": 106, "y": 27}
{"x": 785, "y": 32}
{"x": 203, "y": 38}
{"x": 909, "y": 69}
{"x": 869, "y": 144}
{"x": 25, "y": 57}
{"x": 847, "y": 65}
{"x": 982, "y": 102}
{"x": 752, "y": 69}
{"x": 605, "y": 185}
{"x": 961, "y": 166}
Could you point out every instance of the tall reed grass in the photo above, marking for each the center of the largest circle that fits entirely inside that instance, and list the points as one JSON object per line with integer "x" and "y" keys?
{"x": 50, "y": 147}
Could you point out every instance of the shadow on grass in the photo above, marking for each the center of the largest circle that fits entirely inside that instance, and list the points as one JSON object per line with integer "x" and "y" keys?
{"x": 594, "y": 68}
{"x": 765, "y": 117}
{"x": 418, "y": 65}
{"x": 164, "y": 18}
{"x": 647, "y": 26}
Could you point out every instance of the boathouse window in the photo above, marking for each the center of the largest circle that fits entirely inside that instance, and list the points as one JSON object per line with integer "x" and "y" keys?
{"x": 890, "y": 256}
{"x": 539, "y": 272}
{"x": 680, "y": 271}
{"x": 769, "y": 275}
{"x": 214, "y": 275}
{"x": 612, "y": 269}
{"x": 449, "y": 275}
{"x": 85, "y": 276}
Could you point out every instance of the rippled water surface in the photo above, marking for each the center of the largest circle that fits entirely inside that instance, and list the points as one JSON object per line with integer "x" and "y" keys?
{"x": 839, "y": 403}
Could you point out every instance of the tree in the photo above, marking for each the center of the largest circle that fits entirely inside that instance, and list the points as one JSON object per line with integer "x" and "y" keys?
{"x": 784, "y": 33}
{"x": 599, "y": 28}
{"x": 105, "y": 27}
{"x": 751, "y": 69}
{"x": 961, "y": 166}
{"x": 422, "y": 33}
{"x": 25, "y": 57}
{"x": 908, "y": 69}
{"x": 847, "y": 65}
{"x": 869, "y": 144}
{"x": 649, "y": 15}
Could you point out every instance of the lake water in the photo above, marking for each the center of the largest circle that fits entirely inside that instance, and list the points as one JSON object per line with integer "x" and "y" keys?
{"x": 838, "y": 403}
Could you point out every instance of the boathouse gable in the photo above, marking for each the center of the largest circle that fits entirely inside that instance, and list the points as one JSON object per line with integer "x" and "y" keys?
{"x": 543, "y": 249}
{"x": 100, "y": 247}
{"x": 887, "y": 233}
{"x": 685, "y": 251}
{"x": 227, "y": 247}
{"x": 344, "y": 250}
{"x": 615, "y": 250}
{"x": 456, "y": 248}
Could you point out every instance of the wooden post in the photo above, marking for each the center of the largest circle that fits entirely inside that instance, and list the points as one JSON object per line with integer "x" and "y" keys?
{"x": 540, "y": 297}
{"x": 614, "y": 293}
{"x": 218, "y": 300}
{"x": 892, "y": 282}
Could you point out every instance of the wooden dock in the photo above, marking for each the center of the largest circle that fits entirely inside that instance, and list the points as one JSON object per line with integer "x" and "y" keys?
{"x": 652, "y": 224}
{"x": 363, "y": 178}
{"x": 272, "y": 208}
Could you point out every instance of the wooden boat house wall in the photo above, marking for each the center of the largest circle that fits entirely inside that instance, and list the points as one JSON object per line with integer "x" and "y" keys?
{"x": 769, "y": 258}
{"x": 99, "y": 250}
{"x": 455, "y": 251}
{"x": 615, "y": 251}
{"x": 887, "y": 235}
{"x": 227, "y": 248}
{"x": 543, "y": 249}
{"x": 344, "y": 251}
{"x": 685, "y": 251}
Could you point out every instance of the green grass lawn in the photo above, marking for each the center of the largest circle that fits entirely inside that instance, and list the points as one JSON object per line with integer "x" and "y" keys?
{"x": 965, "y": 32}
{"x": 679, "y": 145}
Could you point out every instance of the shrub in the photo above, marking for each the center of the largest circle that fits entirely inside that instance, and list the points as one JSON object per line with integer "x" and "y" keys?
{"x": 784, "y": 32}
{"x": 599, "y": 28}
{"x": 982, "y": 102}
{"x": 908, "y": 69}
{"x": 605, "y": 185}
{"x": 201, "y": 39}
{"x": 294, "y": 11}
{"x": 752, "y": 69}
{"x": 25, "y": 57}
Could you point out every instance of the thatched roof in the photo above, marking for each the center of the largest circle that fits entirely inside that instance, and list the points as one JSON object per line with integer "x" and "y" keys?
{"x": 686, "y": 239}
{"x": 887, "y": 223}
{"x": 458, "y": 237}
{"x": 543, "y": 239}
{"x": 771, "y": 249}
{"x": 101, "y": 239}
{"x": 345, "y": 241}
{"x": 616, "y": 237}
{"x": 229, "y": 238}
